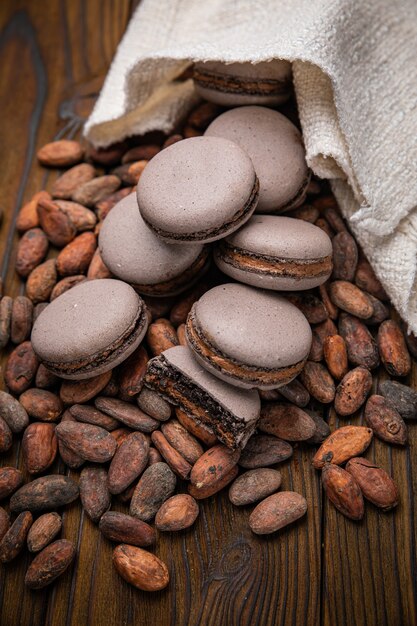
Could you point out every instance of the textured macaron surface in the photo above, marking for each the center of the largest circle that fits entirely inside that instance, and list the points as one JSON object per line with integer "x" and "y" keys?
{"x": 134, "y": 253}
{"x": 85, "y": 320}
{"x": 275, "y": 146}
{"x": 282, "y": 237}
{"x": 244, "y": 403}
{"x": 252, "y": 326}
{"x": 196, "y": 185}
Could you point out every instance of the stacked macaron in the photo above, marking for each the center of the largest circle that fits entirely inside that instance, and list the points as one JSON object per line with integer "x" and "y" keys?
{"x": 220, "y": 195}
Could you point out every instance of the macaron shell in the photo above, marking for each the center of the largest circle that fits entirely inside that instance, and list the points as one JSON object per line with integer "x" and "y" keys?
{"x": 84, "y": 321}
{"x": 252, "y": 327}
{"x": 133, "y": 253}
{"x": 244, "y": 404}
{"x": 275, "y": 146}
{"x": 189, "y": 191}
{"x": 281, "y": 238}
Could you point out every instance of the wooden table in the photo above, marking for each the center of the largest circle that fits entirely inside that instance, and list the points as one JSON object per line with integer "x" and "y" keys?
{"x": 325, "y": 569}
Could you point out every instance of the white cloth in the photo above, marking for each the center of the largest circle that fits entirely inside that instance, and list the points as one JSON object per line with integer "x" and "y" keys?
{"x": 355, "y": 77}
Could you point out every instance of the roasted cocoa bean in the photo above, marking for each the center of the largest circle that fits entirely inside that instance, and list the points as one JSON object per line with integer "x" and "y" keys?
{"x": 56, "y": 223}
{"x": 277, "y": 511}
{"x": 76, "y": 256}
{"x": 343, "y": 491}
{"x": 45, "y": 379}
{"x": 263, "y": 450}
{"x": 310, "y": 305}
{"x": 393, "y": 349}
{"x": 318, "y": 382}
{"x": 60, "y": 153}
{"x": 132, "y": 372}
{"x": 4, "y": 522}
{"x": 352, "y": 391}
{"x": 215, "y": 463}
{"x": 91, "y": 443}
{"x": 10, "y": 480}
{"x": 43, "y": 531}
{"x": 156, "y": 485}
{"x": 206, "y": 491}
{"x": 97, "y": 267}
{"x": 345, "y": 256}
{"x": 286, "y": 421}
{"x": 365, "y": 279}
{"x": 322, "y": 429}
{"x": 335, "y": 355}
{"x": 403, "y": 398}
{"x": 296, "y": 393}
{"x": 376, "y": 485}
{"x": 94, "y": 492}
{"x": 343, "y": 444}
{"x": 351, "y": 299}
{"x": 128, "y": 463}
{"x": 104, "y": 206}
{"x": 140, "y": 568}
{"x": 6, "y": 308}
{"x": 13, "y": 413}
{"x": 181, "y": 308}
{"x": 177, "y": 463}
{"x": 65, "y": 285}
{"x": 95, "y": 190}
{"x": 385, "y": 421}
{"x": 31, "y": 251}
{"x": 71, "y": 180}
{"x": 154, "y": 405}
{"x": 14, "y": 539}
{"x": 82, "y": 218}
{"x": 80, "y": 391}
{"x": 332, "y": 310}
{"x": 41, "y": 404}
{"x": 6, "y": 437}
{"x": 44, "y": 494}
{"x": 381, "y": 312}
{"x": 90, "y": 415}
{"x": 196, "y": 428}
{"x": 126, "y": 413}
{"x": 360, "y": 345}
{"x": 21, "y": 368}
{"x": 21, "y": 320}
{"x": 141, "y": 153}
{"x": 68, "y": 456}
{"x": 126, "y": 529}
{"x": 27, "y": 217}
{"x": 41, "y": 281}
{"x": 254, "y": 485}
{"x": 177, "y": 513}
{"x": 49, "y": 564}
{"x": 39, "y": 447}
{"x": 183, "y": 442}
{"x": 161, "y": 335}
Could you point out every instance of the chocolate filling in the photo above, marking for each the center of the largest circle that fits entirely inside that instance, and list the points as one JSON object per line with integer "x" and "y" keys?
{"x": 110, "y": 353}
{"x": 241, "y": 85}
{"x": 205, "y": 234}
{"x": 178, "y": 282}
{"x": 249, "y": 374}
{"x": 274, "y": 266}
{"x": 177, "y": 388}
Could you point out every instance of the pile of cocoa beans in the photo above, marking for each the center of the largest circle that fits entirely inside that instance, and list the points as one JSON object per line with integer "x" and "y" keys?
{"x": 128, "y": 443}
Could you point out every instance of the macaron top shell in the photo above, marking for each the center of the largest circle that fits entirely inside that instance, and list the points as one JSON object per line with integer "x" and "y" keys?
{"x": 135, "y": 254}
{"x": 276, "y": 69}
{"x": 282, "y": 237}
{"x": 85, "y": 320}
{"x": 244, "y": 403}
{"x": 253, "y": 326}
{"x": 275, "y": 146}
{"x": 191, "y": 190}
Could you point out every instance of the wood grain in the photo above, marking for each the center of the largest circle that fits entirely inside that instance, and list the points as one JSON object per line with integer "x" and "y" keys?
{"x": 323, "y": 570}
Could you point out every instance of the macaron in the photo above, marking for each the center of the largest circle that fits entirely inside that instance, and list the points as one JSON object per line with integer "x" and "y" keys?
{"x": 198, "y": 190}
{"x": 276, "y": 252}
{"x": 235, "y": 84}
{"x": 276, "y": 149}
{"x": 133, "y": 253}
{"x": 248, "y": 337}
{"x": 230, "y": 413}
{"x": 90, "y": 329}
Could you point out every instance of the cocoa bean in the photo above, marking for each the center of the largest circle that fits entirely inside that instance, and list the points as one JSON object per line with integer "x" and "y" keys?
{"x": 76, "y": 256}
{"x": 276, "y": 512}
{"x": 91, "y": 443}
{"x": 65, "y": 285}
{"x": 104, "y": 206}
{"x": 411, "y": 341}
{"x": 360, "y": 345}
{"x": 254, "y": 485}
{"x": 132, "y": 372}
{"x": 6, "y": 308}
{"x": 206, "y": 491}
{"x": 351, "y": 299}
{"x": 177, "y": 513}
{"x": 160, "y": 336}
{"x": 215, "y": 463}
{"x": 365, "y": 279}
{"x": 140, "y": 568}
{"x": 4, "y": 522}
{"x": 41, "y": 404}
{"x": 141, "y": 153}
{"x": 97, "y": 268}
{"x": 27, "y": 217}
{"x": 44, "y": 494}
{"x": 381, "y": 312}
{"x": 126, "y": 529}
{"x": 154, "y": 456}
{"x": 343, "y": 444}
{"x": 21, "y": 368}
{"x": 156, "y": 485}
{"x": 107, "y": 156}
{"x": 13, "y": 413}
{"x": 196, "y": 428}
{"x": 171, "y": 140}
{"x": 45, "y": 379}
{"x": 80, "y": 391}
{"x": 90, "y": 415}
{"x": 71, "y": 180}
{"x": 263, "y": 450}
{"x": 322, "y": 223}
{"x": 130, "y": 173}
{"x": 183, "y": 442}
{"x": 335, "y": 355}
{"x": 82, "y": 218}
{"x": 14, "y": 539}
{"x": 307, "y": 213}
{"x": 310, "y": 305}
{"x": 120, "y": 435}
{"x": 10, "y": 480}
{"x": 376, "y": 485}
{"x": 49, "y": 564}
{"x": 286, "y": 421}
{"x": 182, "y": 307}
{"x": 39, "y": 447}
{"x": 41, "y": 281}
{"x": 177, "y": 463}
{"x": 385, "y": 421}
{"x": 21, "y": 320}
{"x": 345, "y": 256}
{"x": 332, "y": 310}
{"x": 94, "y": 492}
{"x": 158, "y": 307}
{"x": 296, "y": 393}
{"x": 335, "y": 220}
{"x": 31, "y": 251}
{"x": 181, "y": 335}
{"x": 6, "y": 437}
{"x": 97, "y": 189}
{"x": 126, "y": 495}
{"x": 68, "y": 456}
{"x": 322, "y": 429}
{"x": 343, "y": 491}
{"x": 126, "y": 413}
{"x": 60, "y": 153}
{"x": 352, "y": 391}
{"x": 57, "y": 224}
{"x": 43, "y": 530}
{"x": 203, "y": 114}
{"x": 318, "y": 382}
{"x": 154, "y": 405}
{"x": 393, "y": 349}
{"x": 128, "y": 463}
{"x": 403, "y": 398}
